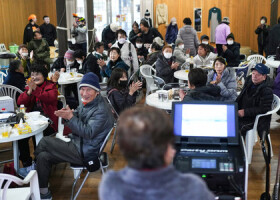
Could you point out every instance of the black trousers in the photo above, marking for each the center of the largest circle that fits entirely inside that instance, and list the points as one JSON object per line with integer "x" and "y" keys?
{"x": 52, "y": 151}
{"x": 219, "y": 49}
{"x": 262, "y": 49}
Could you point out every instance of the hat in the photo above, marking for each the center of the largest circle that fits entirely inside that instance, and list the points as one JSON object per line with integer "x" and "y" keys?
{"x": 32, "y": 16}
{"x": 173, "y": 19}
{"x": 225, "y": 20}
{"x": 90, "y": 80}
{"x": 230, "y": 36}
{"x": 114, "y": 27}
{"x": 147, "y": 13}
{"x": 261, "y": 68}
{"x": 204, "y": 37}
{"x": 159, "y": 41}
{"x": 178, "y": 41}
{"x": 69, "y": 55}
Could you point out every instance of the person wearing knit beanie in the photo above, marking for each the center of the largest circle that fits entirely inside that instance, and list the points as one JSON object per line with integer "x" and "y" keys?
{"x": 69, "y": 55}
{"x": 89, "y": 87}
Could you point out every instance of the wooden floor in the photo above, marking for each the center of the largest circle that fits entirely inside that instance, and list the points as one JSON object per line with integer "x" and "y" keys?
{"x": 62, "y": 176}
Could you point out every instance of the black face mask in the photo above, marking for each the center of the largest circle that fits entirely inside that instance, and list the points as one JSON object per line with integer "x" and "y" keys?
{"x": 123, "y": 84}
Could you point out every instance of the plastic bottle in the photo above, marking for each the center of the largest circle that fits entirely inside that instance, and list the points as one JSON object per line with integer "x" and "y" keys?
{"x": 191, "y": 63}
{"x": 68, "y": 68}
{"x": 22, "y": 109}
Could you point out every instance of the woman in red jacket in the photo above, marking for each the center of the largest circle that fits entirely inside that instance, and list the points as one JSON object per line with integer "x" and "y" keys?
{"x": 39, "y": 95}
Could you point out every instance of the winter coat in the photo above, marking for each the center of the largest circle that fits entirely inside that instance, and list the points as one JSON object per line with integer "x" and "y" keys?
{"x": 161, "y": 14}
{"x": 26, "y": 63}
{"x": 90, "y": 65}
{"x": 142, "y": 51}
{"x": 262, "y": 35}
{"x": 81, "y": 34}
{"x": 232, "y": 55}
{"x": 100, "y": 56}
{"x": 204, "y": 93}
{"x": 28, "y": 32}
{"x": 108, "y": 36}
{"x": 49, "y": 33}
{"x": 258, "y": 102}
{"x": 120, "y": 99}
{"x": 221, "y": 33}
{"x": 125, "y": 54}
{"x": 150, "y": 36}
{"x": 15, "y": 79}
{"x": 200, "y": 61}
{"x": 107, "y": 69}
{"x": 171, "y": 33}
{"x": 152, "y": 58}
{"x": 180, "y": 56}
{"x": 274, "y": 39}
{"x": 163, "y": 68}
{"x": 190, "y": 39}
{"x": 228, "y": 84}
{"x": 60, "y": 64}
{"x": 46, "y": 94}
{"x": 149, "y": 20}
{"x": 276, "y": 85}
{"x": 92, "y": 122}
{"x": 133, "y": 36}
{"x": 40, "y": 49}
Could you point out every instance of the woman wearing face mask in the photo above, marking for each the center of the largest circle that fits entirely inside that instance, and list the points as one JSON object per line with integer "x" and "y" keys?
{"x": 224, "y": 78}
{"x": 166, "y": 65}
{"x": 142, "y": 52}
{"x": 128, "y": 51}
{"x": 39, "y": 95}
{"x": 205, "y": 40}
{"x": 204, "y": 56}
{"x": 68, "y": 59}
{"x": 25, "y": 60}
{"x": 262, "y": 32}
{"x": 119, "y": 93}
{"x": 231, "y": 51}
{"x": 154, "y": 51}
{"x": 179, "y": 52}
{"x": 172, "y": 31}
{"x": 115, "y": 62}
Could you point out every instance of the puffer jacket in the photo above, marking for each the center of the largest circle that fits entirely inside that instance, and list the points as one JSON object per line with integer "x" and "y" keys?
{"x": 107, "y": 69}
{"x": 151, "y": 58}
{"x": 228, "y": 84}
{"x": 190, "y": 39}
{"x": 171, "y": 33}
{"x": 81, "y": 34}
{"x": 257, "y": 103}
{"x": 200, "y": 61}
{"x": 232, "y": 54}
{"x": 40, "y": 48}
{"x": 91, "y": 122}
{"x": 204, "y": 93}
{"x": 163, "y": 68}
{"x": 108, "y": 36}
{"x": 181, "y": 57}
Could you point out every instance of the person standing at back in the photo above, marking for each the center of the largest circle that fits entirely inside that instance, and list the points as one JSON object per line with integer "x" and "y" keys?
{"x": 79, "y": 30}
{"x": 222, "y": 31}
{"x": 148, "y": 33}
{"x": 48, "y": 31}
{"x": 108, "y": 35}
{"x": 189, "y": 37}
{"x": 30, "y": 28}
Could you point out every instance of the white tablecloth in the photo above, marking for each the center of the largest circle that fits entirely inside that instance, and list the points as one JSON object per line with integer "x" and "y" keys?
{"x": 152, "y": 100}
{"x": 181, "y": 75}
{"x": 273, "y": 63}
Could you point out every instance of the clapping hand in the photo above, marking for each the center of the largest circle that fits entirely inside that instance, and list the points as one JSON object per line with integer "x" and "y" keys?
{"x": 65, "y": 113}
{"x": 55, "y": 77}
{"x": 174, "y": 65}
{"x": 134, "y": 87}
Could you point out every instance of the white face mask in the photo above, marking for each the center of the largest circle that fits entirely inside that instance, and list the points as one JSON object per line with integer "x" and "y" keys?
{"x": 80, "y": 62}
{"x": 229, "y": 42}
{"x": 150, "y": 50}
{"x": 262, "y": 21}
{"x": 174, "y": 23}
{"x": 139, "y": 45}
{"x": 121, "y": 40}
{"x": 181, "y": 46}
{"x": 24, "y": 54}
{"x": 205, "y": 42}
{"x": 167, "y": 55}
{"x": 69, "y": 62}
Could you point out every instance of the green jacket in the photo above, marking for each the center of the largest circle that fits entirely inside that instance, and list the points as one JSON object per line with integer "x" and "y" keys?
{"x": 40, "y": 49}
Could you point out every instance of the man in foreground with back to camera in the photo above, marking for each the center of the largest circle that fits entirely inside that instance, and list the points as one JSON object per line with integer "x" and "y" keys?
{"x": 145, "y": 137}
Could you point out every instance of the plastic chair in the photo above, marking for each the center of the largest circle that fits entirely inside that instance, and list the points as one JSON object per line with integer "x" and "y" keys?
{"x": 2, "y": 76}
{"x": 103, "y": 161}
{"x": 11, "y": 91}
{"x": 23, "y": 193}
{"x": 62, "y": 99}
{"x": 252, "y": 135}
{"x": 116, "y": 116}
{"x": 147, "y": 71}
{"x": 257, "y": 58}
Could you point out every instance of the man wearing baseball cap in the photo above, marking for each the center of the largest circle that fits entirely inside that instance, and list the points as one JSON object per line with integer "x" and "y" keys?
{"x": 255, "y": 98}
{"x": 89, "y": 123}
